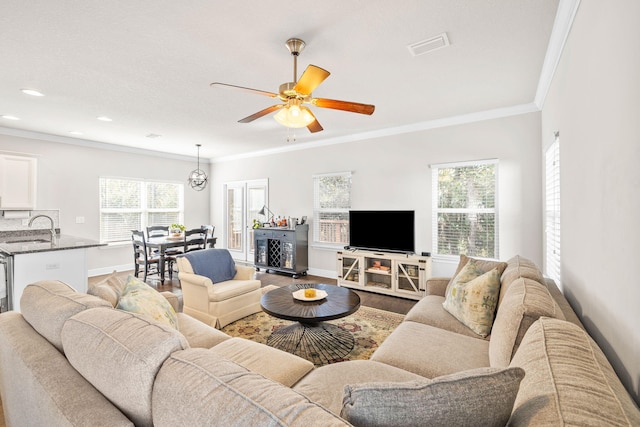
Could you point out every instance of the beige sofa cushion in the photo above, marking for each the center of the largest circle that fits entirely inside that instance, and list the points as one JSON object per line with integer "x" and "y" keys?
{"x": 481, "y": 397}
{"x": 568, "y": 380}
{"x": 120, "y": 353}
{"x": 431, "y": 352}
{"x": 524, "y": 303}
{"x": 518, "y": 267}
{"x": 47, "y": 305}
{"x": 197, "y": 387}
{"x": 277, "y": 365}
{"x": 429, "y": 311}
{"x": 109, "y": 289}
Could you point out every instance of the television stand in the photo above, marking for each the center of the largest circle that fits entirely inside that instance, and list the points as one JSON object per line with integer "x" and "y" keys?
{"x": 396, "y": 274}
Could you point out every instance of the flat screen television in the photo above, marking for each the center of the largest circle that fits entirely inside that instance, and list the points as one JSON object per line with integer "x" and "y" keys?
{"x": 387, "y": 231}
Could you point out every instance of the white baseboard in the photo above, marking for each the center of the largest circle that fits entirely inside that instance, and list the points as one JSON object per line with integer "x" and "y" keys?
{"x": 329, "y": 274}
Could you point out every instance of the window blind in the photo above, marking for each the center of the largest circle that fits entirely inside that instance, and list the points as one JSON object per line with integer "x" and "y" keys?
{"x": 465, "y": 208}
{"x": 133, "y": 204}
{"x": 331, "y": 204}
{"x": 552, "y": 210}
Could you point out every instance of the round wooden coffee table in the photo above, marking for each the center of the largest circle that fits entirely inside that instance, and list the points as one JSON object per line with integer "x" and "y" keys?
{"x": 310, "y": 337}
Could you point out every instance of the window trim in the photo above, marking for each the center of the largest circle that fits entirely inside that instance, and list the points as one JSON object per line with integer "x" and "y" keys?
{"x": 315, "y": 243}
{"x": 434, "y": 204}
{"x": 553, "y": 233}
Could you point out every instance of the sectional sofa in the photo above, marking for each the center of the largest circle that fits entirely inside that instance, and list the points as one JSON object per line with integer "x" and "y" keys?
{"x": 73, "y": 359}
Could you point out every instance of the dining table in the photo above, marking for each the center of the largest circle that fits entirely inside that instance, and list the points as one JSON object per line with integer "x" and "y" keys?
{"x": 162, "y": 243}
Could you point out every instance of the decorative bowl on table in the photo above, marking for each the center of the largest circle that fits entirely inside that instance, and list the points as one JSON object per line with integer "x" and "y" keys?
{"x": 309, "y": 294}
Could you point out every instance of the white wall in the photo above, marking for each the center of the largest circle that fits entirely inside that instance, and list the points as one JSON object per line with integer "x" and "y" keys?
{"x": 393, "y": 173}
{"x": 594, "y": 103}
{"x": 68, "y": 180}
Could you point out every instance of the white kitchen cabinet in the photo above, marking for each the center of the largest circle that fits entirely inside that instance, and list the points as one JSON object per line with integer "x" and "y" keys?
{"x": 18, "y": 177}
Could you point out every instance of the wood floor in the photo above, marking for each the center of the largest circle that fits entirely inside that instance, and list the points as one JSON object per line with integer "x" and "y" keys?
{"x": 369, "y": 299}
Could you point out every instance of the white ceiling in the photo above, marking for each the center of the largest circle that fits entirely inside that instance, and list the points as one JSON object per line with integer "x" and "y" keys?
{"x": 147, "y": 64}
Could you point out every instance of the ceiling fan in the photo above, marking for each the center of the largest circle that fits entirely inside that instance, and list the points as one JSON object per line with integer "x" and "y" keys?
{"x": 294, "y": 95}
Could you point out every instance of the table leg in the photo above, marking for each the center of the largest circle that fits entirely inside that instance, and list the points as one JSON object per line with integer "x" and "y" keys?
{"x": 319, "y": 343}
{"x": 161, "y": 266}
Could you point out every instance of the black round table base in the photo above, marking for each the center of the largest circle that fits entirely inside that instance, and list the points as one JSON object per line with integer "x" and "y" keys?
{"x": 319, "y": 343}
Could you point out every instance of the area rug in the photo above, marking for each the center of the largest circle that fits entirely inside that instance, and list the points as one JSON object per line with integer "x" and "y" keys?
{"x": 369, "y": 326}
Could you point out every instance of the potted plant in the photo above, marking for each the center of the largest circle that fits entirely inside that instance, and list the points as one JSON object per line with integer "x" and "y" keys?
{"x": 177, "y": 229}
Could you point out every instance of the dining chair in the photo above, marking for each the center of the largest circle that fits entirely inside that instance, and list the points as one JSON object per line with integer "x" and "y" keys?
{"x": 142, "y": 257}
{"x": 195, "y": 239}
{"x": 157, "y": 230}
{"x": 210, "y": 230}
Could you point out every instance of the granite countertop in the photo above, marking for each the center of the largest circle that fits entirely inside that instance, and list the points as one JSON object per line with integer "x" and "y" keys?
{"x": 14, "y": 243}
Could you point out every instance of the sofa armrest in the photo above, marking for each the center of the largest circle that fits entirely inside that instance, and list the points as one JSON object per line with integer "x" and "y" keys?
{"x": 244, "y": 272}
{"x": 173, "y": 300}
{"x": 194, "y": 279}
{"x": 437, "y": 285}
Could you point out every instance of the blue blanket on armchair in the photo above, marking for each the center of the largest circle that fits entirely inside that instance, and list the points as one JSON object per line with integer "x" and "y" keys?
{"x": 216, "y": 264}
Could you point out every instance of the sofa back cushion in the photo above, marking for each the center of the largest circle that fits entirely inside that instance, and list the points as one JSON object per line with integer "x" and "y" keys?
{"x": 197, "y": 387}
{"x": 46, "y": 305}
{"x": 568, "y": 380}
{"x": 518, "y": 267}
{"x": 120, "y": 354}
{"x": 109, "y": 289}
{"x": 524, "y": 303}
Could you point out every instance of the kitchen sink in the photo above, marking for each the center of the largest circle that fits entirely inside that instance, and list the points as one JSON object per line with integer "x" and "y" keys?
{"x": 31, "y": 241}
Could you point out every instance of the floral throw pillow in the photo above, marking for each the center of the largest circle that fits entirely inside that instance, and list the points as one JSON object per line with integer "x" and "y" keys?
{"x": 138, "y": 297}
{"x": 473, "y": 296}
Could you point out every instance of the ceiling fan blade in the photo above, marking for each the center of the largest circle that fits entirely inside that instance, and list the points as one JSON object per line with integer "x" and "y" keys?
{"x": 353, "y": 107}
{"x": 246, "y": 89}
{"x": 310, "y": 79}
{"x": 315, "y": 125}
{"x": 261, "y": 113}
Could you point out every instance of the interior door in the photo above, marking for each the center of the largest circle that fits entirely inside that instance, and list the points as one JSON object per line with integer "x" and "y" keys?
{"x": 244, "y": 199}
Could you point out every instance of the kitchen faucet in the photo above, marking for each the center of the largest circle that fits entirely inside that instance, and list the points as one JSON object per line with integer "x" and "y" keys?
{"x": 52, "y": 230}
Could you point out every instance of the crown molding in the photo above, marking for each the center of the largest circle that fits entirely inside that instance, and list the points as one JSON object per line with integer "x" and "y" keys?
{"x": 94, "y": 144}
{"x": 565, "y": 15}
{"x": 479, "y": 116}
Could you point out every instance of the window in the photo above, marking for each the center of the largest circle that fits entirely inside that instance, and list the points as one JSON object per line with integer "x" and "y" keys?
{"x": 130, "y": 204}
{"x": 331, "y": 204}
{"x": 465, "y": 213}
{"x": 552, "y": 210}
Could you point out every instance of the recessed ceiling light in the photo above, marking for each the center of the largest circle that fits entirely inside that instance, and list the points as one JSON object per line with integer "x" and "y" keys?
{"x": 153, "y": 135}
{"x": 10, "y": 117}
{"x": 75, "y": 132}
{"x": 104, "y": 118}
{"x": 32, "y": 92}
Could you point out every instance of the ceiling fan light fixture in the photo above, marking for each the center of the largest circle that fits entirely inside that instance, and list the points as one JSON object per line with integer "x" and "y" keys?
{"x": 294, "y": 116}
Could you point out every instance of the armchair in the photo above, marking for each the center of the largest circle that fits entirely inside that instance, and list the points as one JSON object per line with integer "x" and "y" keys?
{"x": 224, "y": 301}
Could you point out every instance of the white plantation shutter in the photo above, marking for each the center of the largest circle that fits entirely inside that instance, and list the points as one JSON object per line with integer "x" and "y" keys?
{"x": 331, "y": 204}
{"x": 465, "y": 208}
{"x": 133, "y": 204}
{"x": 552, "y": 210}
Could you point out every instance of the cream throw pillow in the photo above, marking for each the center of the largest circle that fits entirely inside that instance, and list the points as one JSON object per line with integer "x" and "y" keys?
{"x": 472, "y": 297}
{"x": 138, "y": 297}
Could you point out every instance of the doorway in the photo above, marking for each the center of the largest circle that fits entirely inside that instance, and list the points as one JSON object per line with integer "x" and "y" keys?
{"x": 243, "y": 199}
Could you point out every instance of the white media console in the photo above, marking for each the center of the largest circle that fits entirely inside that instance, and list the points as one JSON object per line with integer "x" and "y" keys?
{"x": 395, "y": 274}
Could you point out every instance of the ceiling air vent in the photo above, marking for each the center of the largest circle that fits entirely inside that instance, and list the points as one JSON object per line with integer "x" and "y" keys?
{"x": 429, "y": 45}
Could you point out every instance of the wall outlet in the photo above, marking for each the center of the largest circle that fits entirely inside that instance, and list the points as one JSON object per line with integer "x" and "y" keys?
{"x": 52, "y": 266}
{"x": 79, "y": 220}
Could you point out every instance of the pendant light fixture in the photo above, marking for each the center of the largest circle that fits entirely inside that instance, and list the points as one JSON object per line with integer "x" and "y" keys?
{"x": 197, "y": 177}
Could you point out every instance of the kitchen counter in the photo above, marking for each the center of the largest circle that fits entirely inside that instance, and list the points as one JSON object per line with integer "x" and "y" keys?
{"x": 25, "y": 243}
